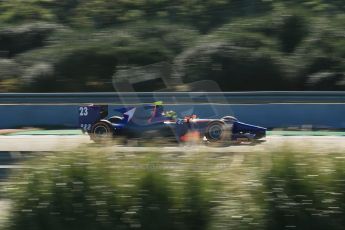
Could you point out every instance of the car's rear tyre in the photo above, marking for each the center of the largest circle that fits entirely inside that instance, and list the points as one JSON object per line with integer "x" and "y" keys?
{"x": 101, "y": 131}
{"x": 218, "y": 132}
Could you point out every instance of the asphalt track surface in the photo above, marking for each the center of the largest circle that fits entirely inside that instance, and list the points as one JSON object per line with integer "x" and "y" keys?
{"x": 36, "y": 143}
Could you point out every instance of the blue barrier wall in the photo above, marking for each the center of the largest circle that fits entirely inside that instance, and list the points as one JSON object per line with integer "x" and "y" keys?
{"x": 267, "y": 115}
{"x": 14, "y": 116}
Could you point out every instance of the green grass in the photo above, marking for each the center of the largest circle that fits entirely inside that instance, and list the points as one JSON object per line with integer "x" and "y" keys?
{"x": 99, "y": 190}
{"x": 182, "y": 190}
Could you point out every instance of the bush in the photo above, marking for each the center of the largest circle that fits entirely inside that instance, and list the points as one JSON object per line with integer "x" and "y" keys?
{"x": 98, "y": 189}
{"x": 155, "y": 204}
{"x": 15, "y": 40}
{"x": 303, "y": 195}
{"x": 324, "y": 43}
{"x": 82, "y": 190}
{"x": 234, "y": 68}
{"x": 80, "y": 62}
{"x": 326, "y": 81}
{"x": 279, "y": 31}
{"x": 197, "y": 207}
{"x": 66, "y": 194}
{"x": 9, "y": 69}
{"x": 19, "y": 11}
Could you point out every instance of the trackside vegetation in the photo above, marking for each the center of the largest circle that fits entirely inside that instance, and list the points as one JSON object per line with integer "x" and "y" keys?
{"x": 83, "y": 190}
{"x": 103, "y": 189}
{"x": 73, "y": 46}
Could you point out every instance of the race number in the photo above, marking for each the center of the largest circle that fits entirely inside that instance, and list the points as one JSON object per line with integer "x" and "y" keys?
{"x": 85, "y": 127}
{"x": 83, "y": 111}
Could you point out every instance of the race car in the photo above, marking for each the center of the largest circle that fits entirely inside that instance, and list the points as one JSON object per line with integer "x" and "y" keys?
{"x": 151, "y": 121}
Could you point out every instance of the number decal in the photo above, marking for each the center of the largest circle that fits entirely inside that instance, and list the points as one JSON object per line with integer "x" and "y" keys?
{"x": 83, "y": 111}
{"x": 85, "y": 127}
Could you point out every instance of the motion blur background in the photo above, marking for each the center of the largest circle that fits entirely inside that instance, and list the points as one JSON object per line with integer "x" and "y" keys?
{"x": 53, "y": 180}
{"x": 81, "y": 45}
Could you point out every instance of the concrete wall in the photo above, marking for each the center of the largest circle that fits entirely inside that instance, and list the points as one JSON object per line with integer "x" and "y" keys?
{"x": 267, "y": 115}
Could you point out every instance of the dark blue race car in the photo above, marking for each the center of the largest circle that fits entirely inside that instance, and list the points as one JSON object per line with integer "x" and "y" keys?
{"x": 151, "y": 121}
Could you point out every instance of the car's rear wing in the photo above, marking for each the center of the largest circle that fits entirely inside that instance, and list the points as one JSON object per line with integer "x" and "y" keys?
{"x": 89, "y": 115}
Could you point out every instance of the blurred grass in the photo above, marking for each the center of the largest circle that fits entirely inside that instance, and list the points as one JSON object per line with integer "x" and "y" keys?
{"x": 107, "y": 189}
{"x": 305, "y": 191}
{"x": 99, "y": 190}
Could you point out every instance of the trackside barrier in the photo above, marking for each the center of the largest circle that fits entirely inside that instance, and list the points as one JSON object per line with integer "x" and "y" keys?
{"x": 308, "y": 115}
{"x": 268, "y": 109}
{"x": 260, "y": 97}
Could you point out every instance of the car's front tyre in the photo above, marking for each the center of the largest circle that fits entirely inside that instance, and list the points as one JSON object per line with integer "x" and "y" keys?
{"x": 218, "y": 133}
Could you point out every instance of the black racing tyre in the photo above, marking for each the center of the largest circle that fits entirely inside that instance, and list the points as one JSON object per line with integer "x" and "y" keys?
{"x": 218, "y": 132}
{"x": 101, "y": 131}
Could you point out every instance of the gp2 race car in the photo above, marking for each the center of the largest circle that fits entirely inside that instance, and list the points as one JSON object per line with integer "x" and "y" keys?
{"x": 151, "y": 121}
